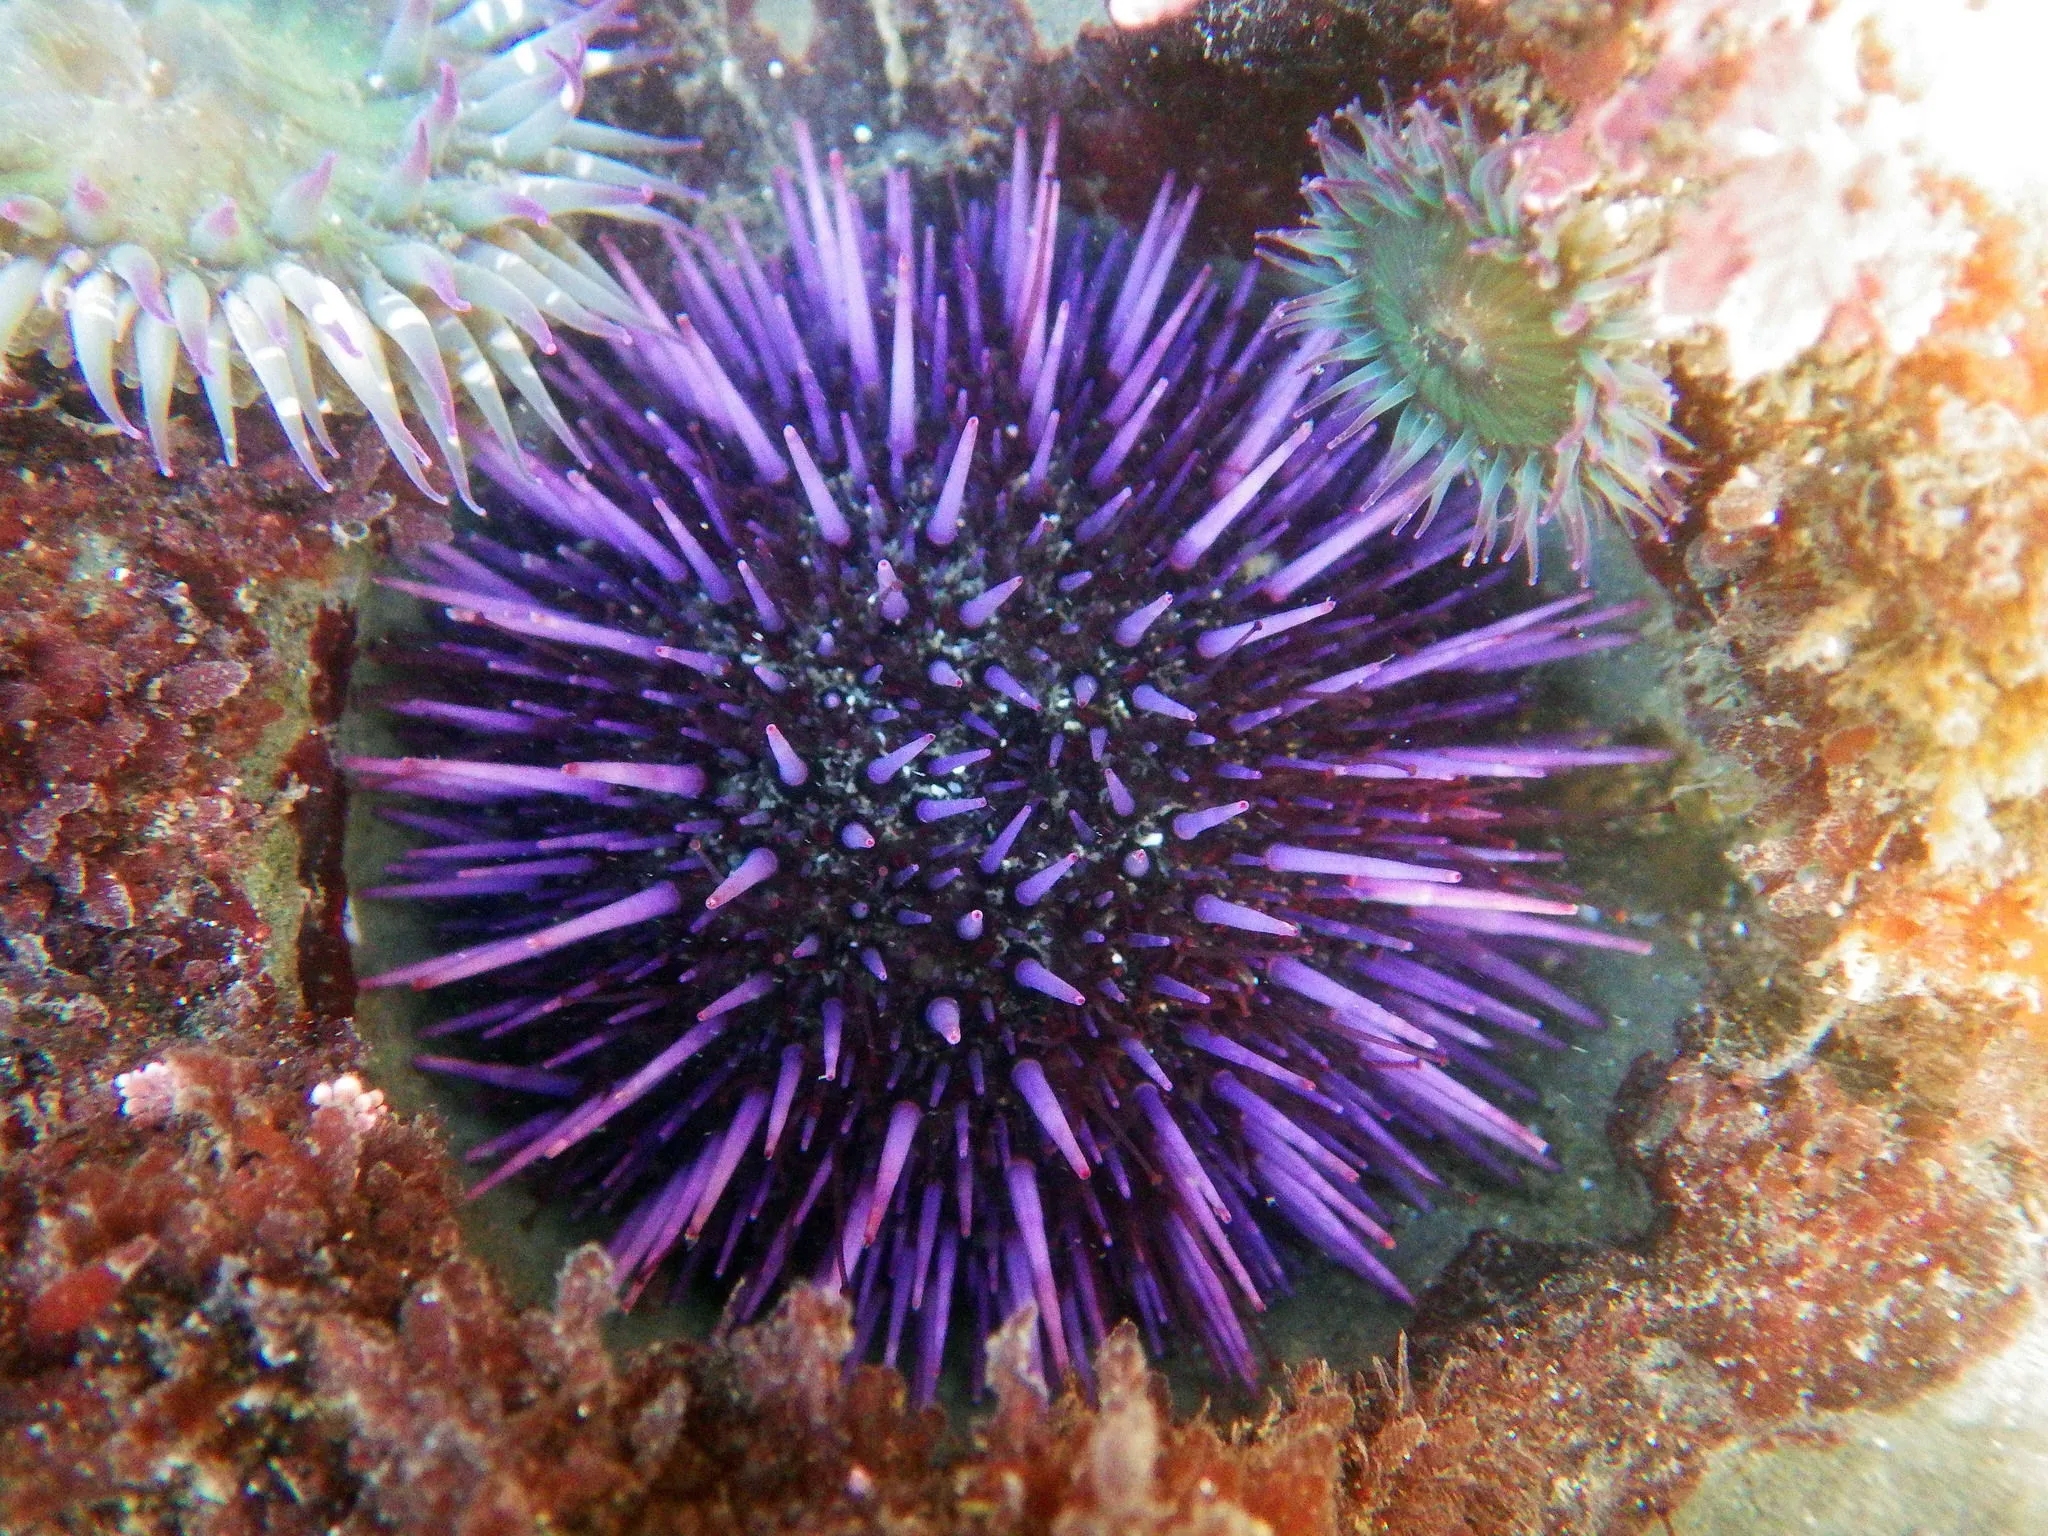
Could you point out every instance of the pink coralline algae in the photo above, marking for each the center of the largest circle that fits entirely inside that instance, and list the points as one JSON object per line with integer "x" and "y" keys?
{"x": 1137, "y": 15}
{"x": 1811, "y": 155}
{"x": 937, "y": 831}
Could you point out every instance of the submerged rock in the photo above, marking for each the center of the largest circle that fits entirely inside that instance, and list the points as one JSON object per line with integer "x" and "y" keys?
{"x": 231, "y": 1309}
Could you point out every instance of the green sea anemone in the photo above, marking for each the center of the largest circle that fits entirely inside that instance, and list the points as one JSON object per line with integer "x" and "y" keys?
{"x": 1513, "y": 360}
{"x": 328, "y": 203}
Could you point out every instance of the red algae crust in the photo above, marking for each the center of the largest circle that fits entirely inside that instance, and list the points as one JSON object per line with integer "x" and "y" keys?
{"x": 241, "y": 1313}
{"x": 171, "y": 654}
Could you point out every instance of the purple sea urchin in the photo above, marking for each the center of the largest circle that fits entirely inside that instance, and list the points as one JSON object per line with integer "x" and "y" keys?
{"x": 966, "y": 800}
{"x": 1505, "y": 359}
{"x": 248, "y": 200}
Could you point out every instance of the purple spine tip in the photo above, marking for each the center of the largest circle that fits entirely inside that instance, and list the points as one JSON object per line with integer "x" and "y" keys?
{"x": 943, "y": 1015}
{"x": 790, "y": 768}
{"x": 886, "y": 767}
{"x": 752, "y": 870}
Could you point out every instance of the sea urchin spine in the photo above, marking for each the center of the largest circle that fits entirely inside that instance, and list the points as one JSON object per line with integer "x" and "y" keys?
{"x": 199, "y": 195}
{"x": 965, "y": 800}
{"x": 1505, "y": 358}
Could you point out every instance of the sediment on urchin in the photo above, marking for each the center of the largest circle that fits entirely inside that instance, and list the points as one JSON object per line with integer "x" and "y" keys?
{"x": 1506, "y": 358}
{"x": 967, "y": 801}
{"x": 347, "y": 204}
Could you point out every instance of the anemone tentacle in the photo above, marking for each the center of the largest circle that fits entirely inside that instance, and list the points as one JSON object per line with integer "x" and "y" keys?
{"x": 1505, "y": 359}
{"x": 276, "y": 200}
{"x": 966, "y": 800}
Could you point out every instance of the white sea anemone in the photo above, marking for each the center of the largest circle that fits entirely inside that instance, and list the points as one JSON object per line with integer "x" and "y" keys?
{"x": 329, "y": 203}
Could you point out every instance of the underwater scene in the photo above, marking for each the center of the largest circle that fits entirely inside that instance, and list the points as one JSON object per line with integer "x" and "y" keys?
{"x": 1061, "y": 767}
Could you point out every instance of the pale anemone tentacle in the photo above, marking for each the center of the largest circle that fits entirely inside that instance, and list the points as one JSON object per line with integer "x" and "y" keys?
{"x": 277, "y": 201}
